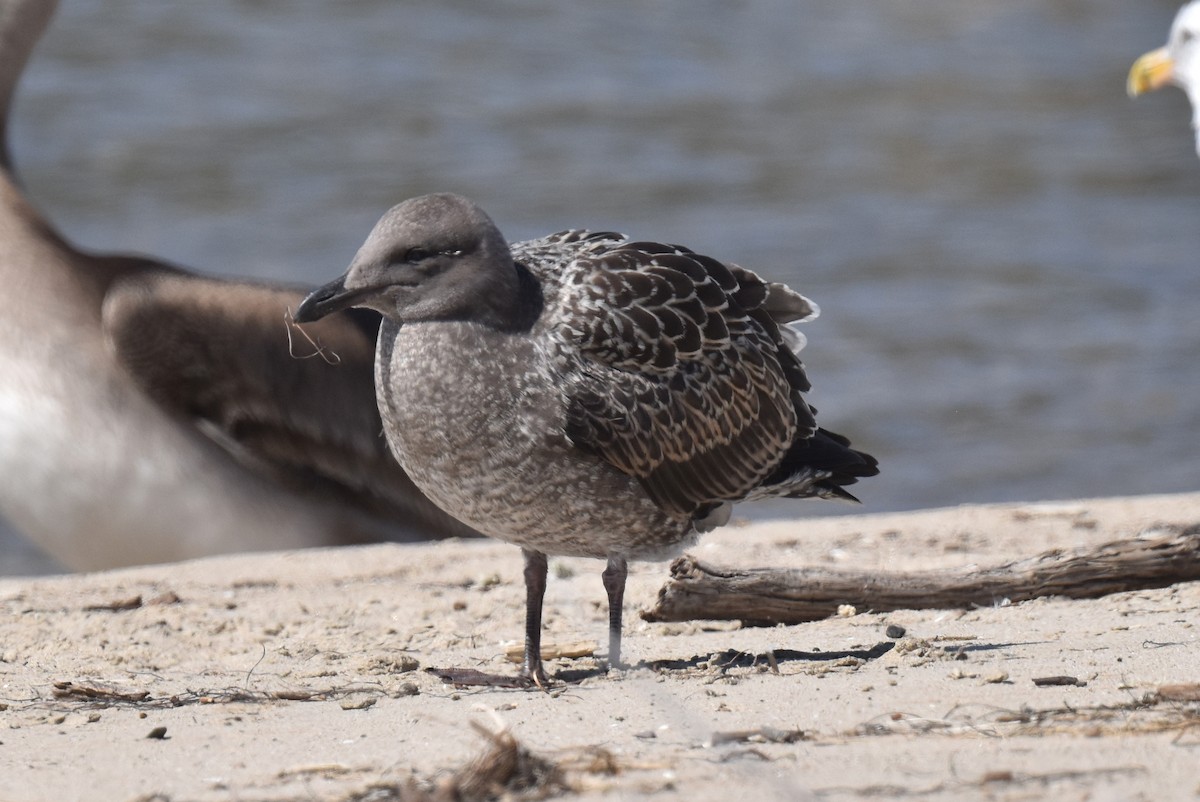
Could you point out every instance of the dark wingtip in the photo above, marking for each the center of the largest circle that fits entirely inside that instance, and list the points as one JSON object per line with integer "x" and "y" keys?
{"x": 324, "y": 300}
{"x": 835, "y": 491}
{"x": 831, "y": 454}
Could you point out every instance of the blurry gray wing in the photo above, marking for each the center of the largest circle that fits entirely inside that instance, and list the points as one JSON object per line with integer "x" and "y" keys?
{"x": 222, "y": 354}
{"x": 683, "y": 377}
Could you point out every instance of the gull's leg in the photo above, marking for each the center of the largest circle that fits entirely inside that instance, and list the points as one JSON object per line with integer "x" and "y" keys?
{"x": 535, "y": 591}
{"x": 614, "y": 584}
{"x": 531, "y": 672}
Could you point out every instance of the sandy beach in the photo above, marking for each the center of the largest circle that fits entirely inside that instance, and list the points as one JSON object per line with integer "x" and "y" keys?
{"x": 302, "y": 675}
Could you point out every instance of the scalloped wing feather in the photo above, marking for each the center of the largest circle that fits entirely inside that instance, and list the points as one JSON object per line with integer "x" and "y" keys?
{"x": 674, "y": 366}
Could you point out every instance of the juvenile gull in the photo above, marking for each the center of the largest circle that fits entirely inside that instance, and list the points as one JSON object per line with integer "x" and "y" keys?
{"x": 1177, "y": 62}
{"x": 148, "y": 414}
{"x": 582, "y": 394}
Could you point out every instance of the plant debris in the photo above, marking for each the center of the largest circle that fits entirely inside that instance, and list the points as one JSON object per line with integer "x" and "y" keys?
{"x": 1045, "y": 682}
{"x": 117, "y": 606}
{"x": 758, "y": 735}
{"x": 505, "y": 770}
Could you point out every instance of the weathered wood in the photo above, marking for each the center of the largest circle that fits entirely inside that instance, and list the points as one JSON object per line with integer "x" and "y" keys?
{"x": 697, "y": 590}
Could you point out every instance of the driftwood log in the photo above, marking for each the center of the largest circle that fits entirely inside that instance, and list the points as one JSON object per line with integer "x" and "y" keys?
{"x": 768, "y": 596}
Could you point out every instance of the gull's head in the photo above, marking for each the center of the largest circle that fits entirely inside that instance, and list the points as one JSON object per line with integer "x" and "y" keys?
{"x": 435, "y": 257}
{"x": 1177, "y": 62}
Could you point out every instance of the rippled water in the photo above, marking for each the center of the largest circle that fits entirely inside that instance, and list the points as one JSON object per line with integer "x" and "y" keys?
{"x": 1006, "y": 248}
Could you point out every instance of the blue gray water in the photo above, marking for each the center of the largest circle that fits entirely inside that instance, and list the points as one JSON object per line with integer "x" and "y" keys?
{"x": 1005, "y": 247}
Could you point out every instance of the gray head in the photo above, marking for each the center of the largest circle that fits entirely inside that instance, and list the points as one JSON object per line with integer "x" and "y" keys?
{"x": 436, "y": 257}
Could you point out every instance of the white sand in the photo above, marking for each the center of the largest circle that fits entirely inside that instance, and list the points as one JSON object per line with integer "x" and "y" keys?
{"x": 950, "y": 713}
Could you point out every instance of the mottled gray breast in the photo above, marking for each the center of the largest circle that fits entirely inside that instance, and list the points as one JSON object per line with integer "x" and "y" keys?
{"x": 478, "y": 421}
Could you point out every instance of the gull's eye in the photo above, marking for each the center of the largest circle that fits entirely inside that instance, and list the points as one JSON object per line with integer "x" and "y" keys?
{"x": 416, "y": 255}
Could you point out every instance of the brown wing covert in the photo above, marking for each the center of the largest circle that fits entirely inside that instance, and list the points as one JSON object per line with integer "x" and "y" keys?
{"x": 677, "y": 371}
